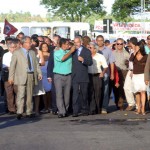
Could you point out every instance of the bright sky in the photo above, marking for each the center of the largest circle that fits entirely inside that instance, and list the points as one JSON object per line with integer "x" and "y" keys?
{"x": 33, "y": 6}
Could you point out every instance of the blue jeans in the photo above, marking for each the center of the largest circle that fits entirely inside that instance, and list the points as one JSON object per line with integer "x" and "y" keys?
{"x": 105, "y": 92}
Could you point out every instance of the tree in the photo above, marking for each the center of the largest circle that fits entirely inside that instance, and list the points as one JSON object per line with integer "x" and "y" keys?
{"x": 123, "y": 9}
{"x": 20, "y": 17}
{"x": 74, "y": 10}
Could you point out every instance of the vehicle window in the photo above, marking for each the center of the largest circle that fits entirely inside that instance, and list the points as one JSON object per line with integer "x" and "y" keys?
{"x": 76, "y": 33}
{"x": 84, "y": 33}
{"x": 45, "y": 31}
{"x": 25, "y": 30}
{"x": 62, "y": 31}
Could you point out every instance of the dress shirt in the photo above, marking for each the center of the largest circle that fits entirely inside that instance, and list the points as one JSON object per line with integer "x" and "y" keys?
{"x": 25, "y": 53}
{"x": 62, "y": 67}
{"x": 6, "y": 59}
{"x": 98, "y": 62}
{"x": 79, "y": 50}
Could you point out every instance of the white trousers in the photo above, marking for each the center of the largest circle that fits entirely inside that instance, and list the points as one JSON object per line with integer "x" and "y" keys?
{"x": 128, "y": 90}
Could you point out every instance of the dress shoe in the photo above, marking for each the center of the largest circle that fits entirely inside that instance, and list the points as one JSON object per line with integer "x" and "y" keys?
{"x": 30, "y": 116}
{"x": 54, "y": 113}
{"x": 61, "y": 116}
{"x": 92, "y": 113}
{"x": 19, "y": 116}
{"x": 75, "y": 115}
{"x": 11, "y": 113}
{"x": 66, "y": 115}
{"x": 84, "y": 114}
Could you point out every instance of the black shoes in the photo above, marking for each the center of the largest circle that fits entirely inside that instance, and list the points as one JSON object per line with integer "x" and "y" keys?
{"x": 30, "y": 116}
{"x": 92, "y": 113}
{"x": 85, "y": 114}
{"x": 19, "y": 116}
{"x": 54, "y": 113}
{"x": 75, "y": 115}
{"x": 11, "y": 112}
{"x": 62, "y": 116}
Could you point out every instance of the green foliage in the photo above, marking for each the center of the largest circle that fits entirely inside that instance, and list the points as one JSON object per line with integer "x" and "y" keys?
{"x": 123, "y": 9}
{"x": 20, "y": 17}
{"x": 74, "y": 10}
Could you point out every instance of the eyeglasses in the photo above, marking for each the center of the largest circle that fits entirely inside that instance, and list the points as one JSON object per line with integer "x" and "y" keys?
{"x": 119, "y": 43}
{"x": 91, "y": 47}
{"x": 148, "y": 38}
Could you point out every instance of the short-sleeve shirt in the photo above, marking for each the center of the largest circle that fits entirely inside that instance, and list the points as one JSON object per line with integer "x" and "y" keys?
{"x": 147, "y": 49}
{"x": 6, "y": 59}
{"x": 120, "y": 58}
{"x": 62, "y": 67}
{"x": 98, "y": 62}
{"x": 108, "y": 56}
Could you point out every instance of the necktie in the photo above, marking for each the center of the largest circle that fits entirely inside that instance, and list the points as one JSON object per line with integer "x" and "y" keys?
{"x": 29, "y": 61}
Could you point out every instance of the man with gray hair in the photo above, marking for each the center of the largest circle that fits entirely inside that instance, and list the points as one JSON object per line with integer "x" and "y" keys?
{"x": 121, "y": 62}
{"x": 96, "y": 73}
{"x": 24, "y": 70}
{"x": 81, "y": 59}
{"x": 10, "y": 89}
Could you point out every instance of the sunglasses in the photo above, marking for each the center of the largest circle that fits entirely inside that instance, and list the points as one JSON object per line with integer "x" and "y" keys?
{"x": 148, "y": 38}
{"x": 119, "y": 43}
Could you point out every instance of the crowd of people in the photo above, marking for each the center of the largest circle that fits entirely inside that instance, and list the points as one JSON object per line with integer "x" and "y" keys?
{"x": 63, "y": 76}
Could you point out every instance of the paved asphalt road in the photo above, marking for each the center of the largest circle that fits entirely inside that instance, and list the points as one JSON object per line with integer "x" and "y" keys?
{"x": 114, "y": 131}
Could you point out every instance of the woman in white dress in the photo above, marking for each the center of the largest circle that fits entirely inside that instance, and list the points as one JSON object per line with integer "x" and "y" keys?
{"x": 47, "y": 85}
{"x": 139, "y": 58}
{"x": 38, "y": 89}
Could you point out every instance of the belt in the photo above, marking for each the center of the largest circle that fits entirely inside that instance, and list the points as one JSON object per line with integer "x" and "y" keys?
{"x": 94, "y": 74}
{"x": 30, "y": 72}
{"x": 63, "y": 74}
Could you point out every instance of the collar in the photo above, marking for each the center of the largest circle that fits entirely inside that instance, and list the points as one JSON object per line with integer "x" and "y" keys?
{"x": 121, "y": 51}
{"x": 25, "y": 50}
{"x": 80, "y": 48}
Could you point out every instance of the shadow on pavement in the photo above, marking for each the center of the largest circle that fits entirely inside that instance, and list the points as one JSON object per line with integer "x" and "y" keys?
{"x": 9, "y": 121}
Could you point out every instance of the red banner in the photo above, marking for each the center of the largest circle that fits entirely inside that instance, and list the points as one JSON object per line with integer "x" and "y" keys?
{"x": 9, "y": 28}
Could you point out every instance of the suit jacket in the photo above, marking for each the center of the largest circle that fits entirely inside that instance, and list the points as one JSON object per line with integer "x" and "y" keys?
{"x": 79, "y": 69}
{"x": 19, "y": 67}
{"x": 147, "y": 69}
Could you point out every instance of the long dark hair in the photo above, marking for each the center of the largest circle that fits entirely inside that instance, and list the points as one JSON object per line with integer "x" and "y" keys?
{"x": 142, "y": 48}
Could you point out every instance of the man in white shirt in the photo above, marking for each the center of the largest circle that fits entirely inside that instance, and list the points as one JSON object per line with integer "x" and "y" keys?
{"x": 96, "y": 73}
{"x": 10, "y": 89}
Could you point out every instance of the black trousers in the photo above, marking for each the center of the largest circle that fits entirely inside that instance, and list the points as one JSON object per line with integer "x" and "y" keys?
{"x": 80, "y": 97}
{"x": 53, "y": 101}
{"x": 119, "y": 92}
{"x": 95, "y": 86}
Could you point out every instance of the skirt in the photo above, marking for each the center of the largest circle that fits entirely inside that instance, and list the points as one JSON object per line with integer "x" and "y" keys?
{"x": 38, "y": 89}
{"x": 138, "y": 84}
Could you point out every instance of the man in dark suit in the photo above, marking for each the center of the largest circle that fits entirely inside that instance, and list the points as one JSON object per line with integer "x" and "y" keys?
{"x": 50, "y": 77}
{"x": 81, "y": 59}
